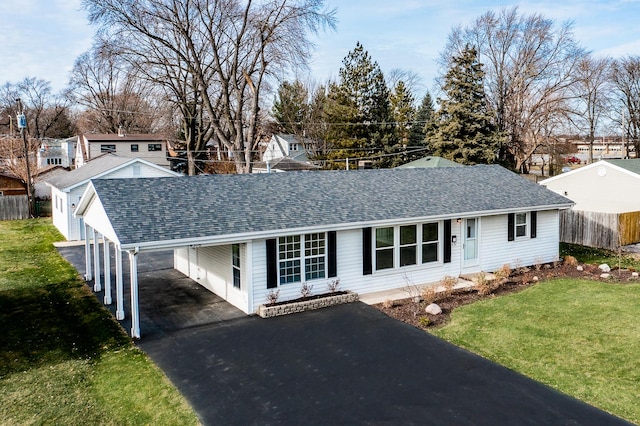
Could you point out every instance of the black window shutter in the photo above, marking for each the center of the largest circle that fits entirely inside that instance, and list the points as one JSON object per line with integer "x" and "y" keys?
{"x": 447, "y": 241}
{"x": 367, "y": 266}
{"x": 534, "y": 224}
{"x": 333, "y": 255}
{"x": 511, "y": 224}
{"x": 272, "y": 264}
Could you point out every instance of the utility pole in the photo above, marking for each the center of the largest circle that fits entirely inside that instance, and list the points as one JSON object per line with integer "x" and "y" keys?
{"x": 21, "y": 120}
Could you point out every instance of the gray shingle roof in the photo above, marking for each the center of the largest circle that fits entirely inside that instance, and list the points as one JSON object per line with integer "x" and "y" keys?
{"x": 161, "y": 209}
{"x": 93, "y": 168}
{"x": 431, "y": 161}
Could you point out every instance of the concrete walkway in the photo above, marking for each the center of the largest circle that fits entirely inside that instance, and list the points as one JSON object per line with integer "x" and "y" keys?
{"x": 408, "y": 292}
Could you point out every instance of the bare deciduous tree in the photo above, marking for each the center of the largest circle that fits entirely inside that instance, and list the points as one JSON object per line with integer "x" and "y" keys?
{"x": 224, "y": 52}
{"x": 592, "y": 91}
{"x": 625, "y": 76}
{"x": 112, "y": 95}
{"x": 530, "y": 66}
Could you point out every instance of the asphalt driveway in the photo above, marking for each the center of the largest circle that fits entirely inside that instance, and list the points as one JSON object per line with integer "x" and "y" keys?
{"x": 347, "y": 364}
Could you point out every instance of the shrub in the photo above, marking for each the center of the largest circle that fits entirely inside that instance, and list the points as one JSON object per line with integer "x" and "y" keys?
{"x": 447, "y": 283}
{"x": 503, "y": 273}
{"x": 571, "y": 261}
{"x": 333, "y": 285}
{"x": 305, "y": 290}
{"x": 424, "y": 322}
{"x": 272, "y": 296}
{"x": 388, "y": 304}
{"x": 482, "y": 285}
{"x": 429, "y": 294}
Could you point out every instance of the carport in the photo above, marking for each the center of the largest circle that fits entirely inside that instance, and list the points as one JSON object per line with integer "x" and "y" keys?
{"x": 169, "y": 301}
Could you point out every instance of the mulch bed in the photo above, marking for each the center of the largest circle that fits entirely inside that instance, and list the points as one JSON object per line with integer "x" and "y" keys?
{"x": 406, "y": 310}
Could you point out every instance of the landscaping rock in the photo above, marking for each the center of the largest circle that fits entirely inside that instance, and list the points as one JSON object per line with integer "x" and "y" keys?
{"x": 604, "y": 268}
{"x": 634, "y": 275}
{"x": 605, "y": 275}
{"x": 580, "y": 268}
{"x": 433, "y": 309}
{"x": 535, "y": 278}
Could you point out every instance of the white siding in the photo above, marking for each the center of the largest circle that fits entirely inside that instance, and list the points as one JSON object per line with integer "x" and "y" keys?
{"x": 601, "y": 188}
{"x": 497, "y": 251}
{"x": 493, "y": 251}
{"x": 60, "y": 218}
{"x": 211, "y": 267}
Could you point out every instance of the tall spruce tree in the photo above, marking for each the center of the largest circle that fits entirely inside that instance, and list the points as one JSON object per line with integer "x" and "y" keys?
{"x": 422, "y": 123}
{"x": 291, "y": 107}
{"x": 402, "y": 112}
{"x": 464, "y": 130}
{"x": 358, "y": 111}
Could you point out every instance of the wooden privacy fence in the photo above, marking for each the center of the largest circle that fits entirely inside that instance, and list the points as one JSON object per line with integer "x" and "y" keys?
{"x": 602, "y": 230}
{"x": 14, "y": 207}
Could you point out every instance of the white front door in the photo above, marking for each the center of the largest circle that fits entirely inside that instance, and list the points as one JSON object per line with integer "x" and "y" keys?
{"x": 470, "y": 241}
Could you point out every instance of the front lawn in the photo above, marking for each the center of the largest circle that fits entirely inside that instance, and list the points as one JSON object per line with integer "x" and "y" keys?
{"x": 578, "y": 336}
{"x": 63, "y": 358}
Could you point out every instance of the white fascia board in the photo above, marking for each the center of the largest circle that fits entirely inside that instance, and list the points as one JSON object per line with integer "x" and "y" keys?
{"x": 248, "y": 236}
{"x": 87, "y": 196}
{"x": 95, "y": 216}
{"x": 121, "y": 166}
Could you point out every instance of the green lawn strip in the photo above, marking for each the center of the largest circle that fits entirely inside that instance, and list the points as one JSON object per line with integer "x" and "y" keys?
{"x": 578, "y": 336}
{"x": 63, "y": 358}
{"x": 598, "y": 256}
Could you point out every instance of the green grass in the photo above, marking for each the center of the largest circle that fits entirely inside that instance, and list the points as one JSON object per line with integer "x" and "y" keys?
{"x": 63, "y": 358}
{"x": 598, "y": 256}
{"x": 580, "y": 337}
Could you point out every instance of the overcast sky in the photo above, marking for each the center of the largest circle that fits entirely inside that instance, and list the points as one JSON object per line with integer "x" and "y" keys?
{"x": 42, "y": 38}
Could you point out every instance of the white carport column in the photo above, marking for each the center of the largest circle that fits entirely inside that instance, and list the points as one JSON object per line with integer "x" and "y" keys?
{"x": 119, "y": 286}
{"x": 87, "y": 253}
{"x": 107, "y": 272}
{"x": 135, "y": 314}
{"x": 96, "y": 260}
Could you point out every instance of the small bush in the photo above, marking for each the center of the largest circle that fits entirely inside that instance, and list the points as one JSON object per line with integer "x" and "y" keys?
{"x": 571, "y": 261}
{"x": 388, "y": 304}
{"x": 448, "y": 283}
{"x": 305, "y": 290}
{"x": 424, "y": 322}
{"x": 333, "y": 285}
{"x": 429, "y": 294}
{"x": 482, "y": 285}
{"x": 503, "y": 273}
{"x": 272, "y": 296}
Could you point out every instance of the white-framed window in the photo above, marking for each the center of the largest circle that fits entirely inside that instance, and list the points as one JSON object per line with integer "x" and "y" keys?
{"x": 294, "y": 263}
{"x": 154, "y": 147}
{"x": 314, "y": 256}
{"x": 235, "y": 264}
{"x": 430, "y": 242}
{"x": 293, "y": 147}
{"x": 406, "y": 245}
{"x": 385, "y": 248}
{"x": 521, "y": 225}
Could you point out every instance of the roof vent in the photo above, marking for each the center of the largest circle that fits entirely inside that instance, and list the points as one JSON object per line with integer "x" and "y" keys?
{"x": 121, "y": 131}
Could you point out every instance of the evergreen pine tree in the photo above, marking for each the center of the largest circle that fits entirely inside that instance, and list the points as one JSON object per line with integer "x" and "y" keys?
{"x": 358, "y": 109}
{"x": 464, "y": 129}
{"x": 403, "y": 113}
{"x": 290, "y": 107}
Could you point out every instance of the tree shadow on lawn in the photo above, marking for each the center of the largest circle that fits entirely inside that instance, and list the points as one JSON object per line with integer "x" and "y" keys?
{"x": 53, "y": 323}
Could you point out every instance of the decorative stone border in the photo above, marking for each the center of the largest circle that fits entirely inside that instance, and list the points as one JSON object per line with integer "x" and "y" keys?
{"x": 306, "y": 305}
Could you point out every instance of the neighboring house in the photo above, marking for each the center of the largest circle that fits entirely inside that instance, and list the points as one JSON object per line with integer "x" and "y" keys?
{"x": 286, "y": 146}
{"x": 56, "y": 152}
{"x": 606, "y": 194}
{"x": 607, "y": 186}
{"x": 149, "y": 147}
{"x": 41, "y": 190}
{"x": 283, "y": 165}
{"x": 67, "y": 189}
{"x": 371, "y": 229}
{"x": 11, "y": 185}
{"x": 430, "y": 161}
